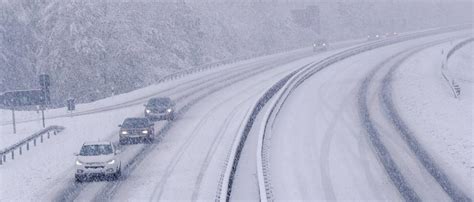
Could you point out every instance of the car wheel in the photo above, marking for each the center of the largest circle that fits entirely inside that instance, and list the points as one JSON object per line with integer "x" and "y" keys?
{"x": 170, "y": 117}
{"x": 118, "y": 173}
{"x": 149, "y": 139}
{"x": 79, "y": 178}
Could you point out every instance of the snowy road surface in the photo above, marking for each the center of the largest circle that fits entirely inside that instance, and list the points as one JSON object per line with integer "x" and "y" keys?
{"x": 49, "y": 169}
{"x": 319, "y": 148}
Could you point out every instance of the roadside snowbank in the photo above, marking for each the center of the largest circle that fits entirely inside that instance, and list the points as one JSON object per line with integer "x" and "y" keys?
{"x": 441, "y": 123}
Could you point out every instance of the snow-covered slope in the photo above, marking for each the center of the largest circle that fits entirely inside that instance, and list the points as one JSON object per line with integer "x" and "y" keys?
{"x": 442, "y": 123}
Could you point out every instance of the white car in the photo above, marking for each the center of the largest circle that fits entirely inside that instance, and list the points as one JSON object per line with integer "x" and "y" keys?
{"x": 98, "y": 159}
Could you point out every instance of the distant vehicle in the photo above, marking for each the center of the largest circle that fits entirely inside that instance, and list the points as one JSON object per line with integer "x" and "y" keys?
{"x": 161, "y": 108}
{"x": 320, "y": 45}
{"x": 390, "y": 34}
{"x": 136, "y": 129}
{"x": 372, "y": 37}
{"x": 98, "y": 159}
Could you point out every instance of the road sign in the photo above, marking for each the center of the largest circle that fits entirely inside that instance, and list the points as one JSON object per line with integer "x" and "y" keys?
{"x": 23, "y": 98}
{"x": 71, "y": 106}
{"x": 20, "y": 98}
{"x": 44, "y": 80}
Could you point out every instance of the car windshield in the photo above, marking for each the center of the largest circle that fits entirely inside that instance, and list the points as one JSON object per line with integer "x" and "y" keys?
{"x": 135, "y": 123}
{"x": 159, "y": 102}
{"x": 96, "y": 150}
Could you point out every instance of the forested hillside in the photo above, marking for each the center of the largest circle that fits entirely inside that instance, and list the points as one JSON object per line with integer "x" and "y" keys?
{"x": 95, "y": 49}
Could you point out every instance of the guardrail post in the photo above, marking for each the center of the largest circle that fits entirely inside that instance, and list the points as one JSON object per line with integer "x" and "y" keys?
{"x": 1, "y": 160}
{"x": 34, "y": 142}
{"x": 13, "y": 154}
{"x": 41, "y": 138}
{"x": 48, "y": 135}
{"x": 4, "y": 157}
{"x": 27, "y": 146}
{"x": 20, "y": 151}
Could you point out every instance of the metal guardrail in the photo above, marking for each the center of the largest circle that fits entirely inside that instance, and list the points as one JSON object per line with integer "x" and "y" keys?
{"x": 50, "y": 130}
{"x": 458, "y": 46}
{"x": 455, "y": 88}
{"x": 192, "y": 70}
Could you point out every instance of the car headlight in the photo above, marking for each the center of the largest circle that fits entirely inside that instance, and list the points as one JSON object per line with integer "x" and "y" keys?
{"x": 145, "y": 132}
{"x": 324, "y": 44}
{"x": 78, "y": 162}
{"x": 169, "y": 110}
{"x": 147, "y": 111}
{"x": 111, "y": 161}
{"x": 124, "y": 132}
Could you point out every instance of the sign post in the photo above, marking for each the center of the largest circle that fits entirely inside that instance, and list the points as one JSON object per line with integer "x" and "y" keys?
{"x": 42, "y": 115}
{"x": 44, "y": 83}
{"x": 13, "y": 117}
{"x": 71, "y": 105}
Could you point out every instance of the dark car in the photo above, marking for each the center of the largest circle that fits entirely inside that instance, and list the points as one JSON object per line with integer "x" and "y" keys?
{"x": 136, "y": 129}
{"x": 161, "y": 108}
{"x": 320, "y": 45}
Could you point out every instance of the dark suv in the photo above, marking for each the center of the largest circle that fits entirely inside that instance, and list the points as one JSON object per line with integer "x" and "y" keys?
{"x": 136, "y": 128}
{"x": 160, "y": 109}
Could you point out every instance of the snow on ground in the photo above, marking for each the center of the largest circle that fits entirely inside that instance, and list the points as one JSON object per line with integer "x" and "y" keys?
{"x": 442, "y": 123}
{"x": 51, "y": 164}
{"x": 44, "y": 170}
{"x": 194, "y": 174}
{"x": 246, "y": 185}
{"x": 318, "y": 149}
{"x": 33, "y": 119}
{"x": 7, "y": 137}
{"x": 461, "y": 68}
{"x": 48, "y": 168}
{"x": 29, "y": 122}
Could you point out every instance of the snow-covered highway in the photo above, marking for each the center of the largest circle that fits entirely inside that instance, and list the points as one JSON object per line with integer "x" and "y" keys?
{"x": 52, "y": 176}
{"x": 317, "y": 144}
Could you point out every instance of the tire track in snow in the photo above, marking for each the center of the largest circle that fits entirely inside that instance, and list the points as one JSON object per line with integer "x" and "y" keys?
{"x": 372, "y": 130}
{"x": 326, "y": 181}
{"x": 422, "y": 155}
{"x": 382, "y": 153}
{"x": 111, "y": 188}
{"x": 290, "y": 83}
{"x": 73, "y": 189}
{"x": 159, "y": 189}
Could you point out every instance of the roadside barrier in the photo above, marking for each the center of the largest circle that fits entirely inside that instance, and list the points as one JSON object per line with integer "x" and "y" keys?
{"x": 33, "y": 139}
{"x": 455, "y": 88}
